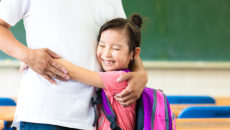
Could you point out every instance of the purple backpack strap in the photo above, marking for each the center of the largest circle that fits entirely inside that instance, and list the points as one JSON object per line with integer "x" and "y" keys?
{"x": 107, "y": 106}
{"x": 126, "y": 70}
{"x": 149, "y": 104}
{"x": 109, "y": 113}
{"x": 168, "y": 117}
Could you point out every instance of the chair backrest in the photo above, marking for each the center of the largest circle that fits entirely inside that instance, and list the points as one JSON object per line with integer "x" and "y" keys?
{"x": 205, "y": 112}
{"x": 4, "y": 101}
{"x": 7, "y": 102}
{"x": 191, "y": 100}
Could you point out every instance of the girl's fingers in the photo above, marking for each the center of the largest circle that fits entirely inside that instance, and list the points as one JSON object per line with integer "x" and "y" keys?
{"x": 23, "y": 67}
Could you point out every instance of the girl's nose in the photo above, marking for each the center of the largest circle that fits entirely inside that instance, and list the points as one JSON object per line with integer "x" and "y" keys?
{"x": 107, "y": 53}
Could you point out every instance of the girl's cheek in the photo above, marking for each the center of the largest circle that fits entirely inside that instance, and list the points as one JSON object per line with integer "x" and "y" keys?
{"x": 115, "y": 55}
{"x": 98, "y": 55}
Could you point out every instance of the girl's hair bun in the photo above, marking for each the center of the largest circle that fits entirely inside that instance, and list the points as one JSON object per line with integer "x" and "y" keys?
{"x": 137, "y": 20}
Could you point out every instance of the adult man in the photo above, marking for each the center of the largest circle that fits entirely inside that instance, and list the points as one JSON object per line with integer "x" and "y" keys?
{"x": 68, "y": 28}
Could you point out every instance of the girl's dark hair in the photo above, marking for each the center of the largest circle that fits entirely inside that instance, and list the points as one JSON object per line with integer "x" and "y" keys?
{"x": 132, "y": 28}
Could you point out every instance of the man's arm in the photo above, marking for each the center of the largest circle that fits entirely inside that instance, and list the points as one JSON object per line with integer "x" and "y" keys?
{"x": 137, "y": 81}
{"x": 39, "y": 60}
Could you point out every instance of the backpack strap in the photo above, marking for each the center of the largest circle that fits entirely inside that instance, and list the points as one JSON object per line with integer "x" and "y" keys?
{"x": 139, "y": 114}
{"x": 154, "y": 108}
{"x": 97, "y": 99}
{"x": 109, "y": 113}
{"x": 168, "y": 118}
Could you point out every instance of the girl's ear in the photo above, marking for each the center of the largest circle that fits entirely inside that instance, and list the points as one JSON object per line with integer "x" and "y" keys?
{"x": 137, "y": 51}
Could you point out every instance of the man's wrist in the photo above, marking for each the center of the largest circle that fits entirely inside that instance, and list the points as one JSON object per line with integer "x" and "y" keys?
{"x": 138, "y": 66}
{"x": 25, "y": 54}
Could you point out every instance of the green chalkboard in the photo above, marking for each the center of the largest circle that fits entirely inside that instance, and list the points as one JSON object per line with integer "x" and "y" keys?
{"x": 177, "y": 30}
{"x": 183, "y": 30}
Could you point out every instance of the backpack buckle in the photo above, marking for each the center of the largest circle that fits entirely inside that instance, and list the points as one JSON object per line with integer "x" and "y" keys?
{"x": 114, "y": 126}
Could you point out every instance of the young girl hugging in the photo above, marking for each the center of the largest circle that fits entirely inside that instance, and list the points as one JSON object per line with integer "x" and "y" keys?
{"x": 118, "y": 50}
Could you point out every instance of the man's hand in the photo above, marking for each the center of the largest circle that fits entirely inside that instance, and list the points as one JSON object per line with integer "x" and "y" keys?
{"x": 136, "y": 84}
{"x": 41, "y": 61}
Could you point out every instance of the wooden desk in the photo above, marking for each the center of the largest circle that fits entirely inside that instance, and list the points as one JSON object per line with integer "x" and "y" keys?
{"x": 203, "y": 124}
{"x": 177, "y": 108}
{"x": 222, "y": 101}
{"x": 7, "y": 113}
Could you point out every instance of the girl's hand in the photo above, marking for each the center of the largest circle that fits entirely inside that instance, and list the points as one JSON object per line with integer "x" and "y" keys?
{"x": 23, "y": 67}
{"x": 136, "y": 84}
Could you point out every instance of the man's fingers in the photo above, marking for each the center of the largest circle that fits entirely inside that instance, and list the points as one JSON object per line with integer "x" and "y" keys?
{"x": 127, "y": 96}
{"x": 53, "y": 54}
{"x": 49, "y": 78}
{"x": 58, "y": 66}
{"x": 124, "y": 99}
{"x": 60, "y": 78}
{"x": 128, "y": 103}
{"x": 124, "y": 77}
{"x": 124, "y": 93}
{"x": 52, "y": 75}
{"x": 56, "y": 73}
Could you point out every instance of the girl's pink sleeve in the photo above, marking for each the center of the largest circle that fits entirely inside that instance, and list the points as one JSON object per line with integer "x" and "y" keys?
{"x": 111, "y": 85}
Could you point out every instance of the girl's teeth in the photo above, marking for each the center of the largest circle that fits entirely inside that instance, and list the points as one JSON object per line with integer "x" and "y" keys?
{"x": 108, "y": 62}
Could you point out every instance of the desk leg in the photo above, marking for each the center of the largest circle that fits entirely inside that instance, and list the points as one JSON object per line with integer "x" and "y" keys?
{"x": 1, "y": 124}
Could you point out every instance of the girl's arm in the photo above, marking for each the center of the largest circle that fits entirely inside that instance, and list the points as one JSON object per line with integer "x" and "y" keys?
{"x": 81, "y": 74}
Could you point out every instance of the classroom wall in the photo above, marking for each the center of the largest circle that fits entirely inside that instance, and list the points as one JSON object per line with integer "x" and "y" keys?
{"x": 10, "y": 80}
{"x": 191, "y": 81}
{"x": 172, "y": 81}
{"x": 173, "y": 30}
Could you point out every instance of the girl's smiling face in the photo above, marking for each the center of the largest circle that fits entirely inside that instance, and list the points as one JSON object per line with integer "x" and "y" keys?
{"x": 113, "y": 50}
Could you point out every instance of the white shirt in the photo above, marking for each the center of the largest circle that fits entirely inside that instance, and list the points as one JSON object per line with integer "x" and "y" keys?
{"x": 69, "y": 28}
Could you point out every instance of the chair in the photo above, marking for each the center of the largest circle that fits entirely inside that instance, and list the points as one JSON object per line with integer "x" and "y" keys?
{"x": 7, "y": 102}
{"x": 191, "y": 100}
{"x": 205, "y": 112}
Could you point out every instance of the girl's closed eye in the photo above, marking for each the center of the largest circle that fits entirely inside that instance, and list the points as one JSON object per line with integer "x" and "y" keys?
{"x": 101, "y": 45}
{"x": 116, "y": 48}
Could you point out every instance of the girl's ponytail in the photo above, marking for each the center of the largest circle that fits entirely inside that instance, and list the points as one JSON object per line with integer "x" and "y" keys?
{"x": 137, "y": 20}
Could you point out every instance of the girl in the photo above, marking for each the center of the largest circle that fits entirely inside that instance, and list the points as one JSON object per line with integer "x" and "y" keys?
{"x": 118, "y": 49}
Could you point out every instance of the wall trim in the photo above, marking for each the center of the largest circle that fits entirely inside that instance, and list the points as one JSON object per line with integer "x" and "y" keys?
{"x": 152, "y": 64}
{"x": 185, "y": 65}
